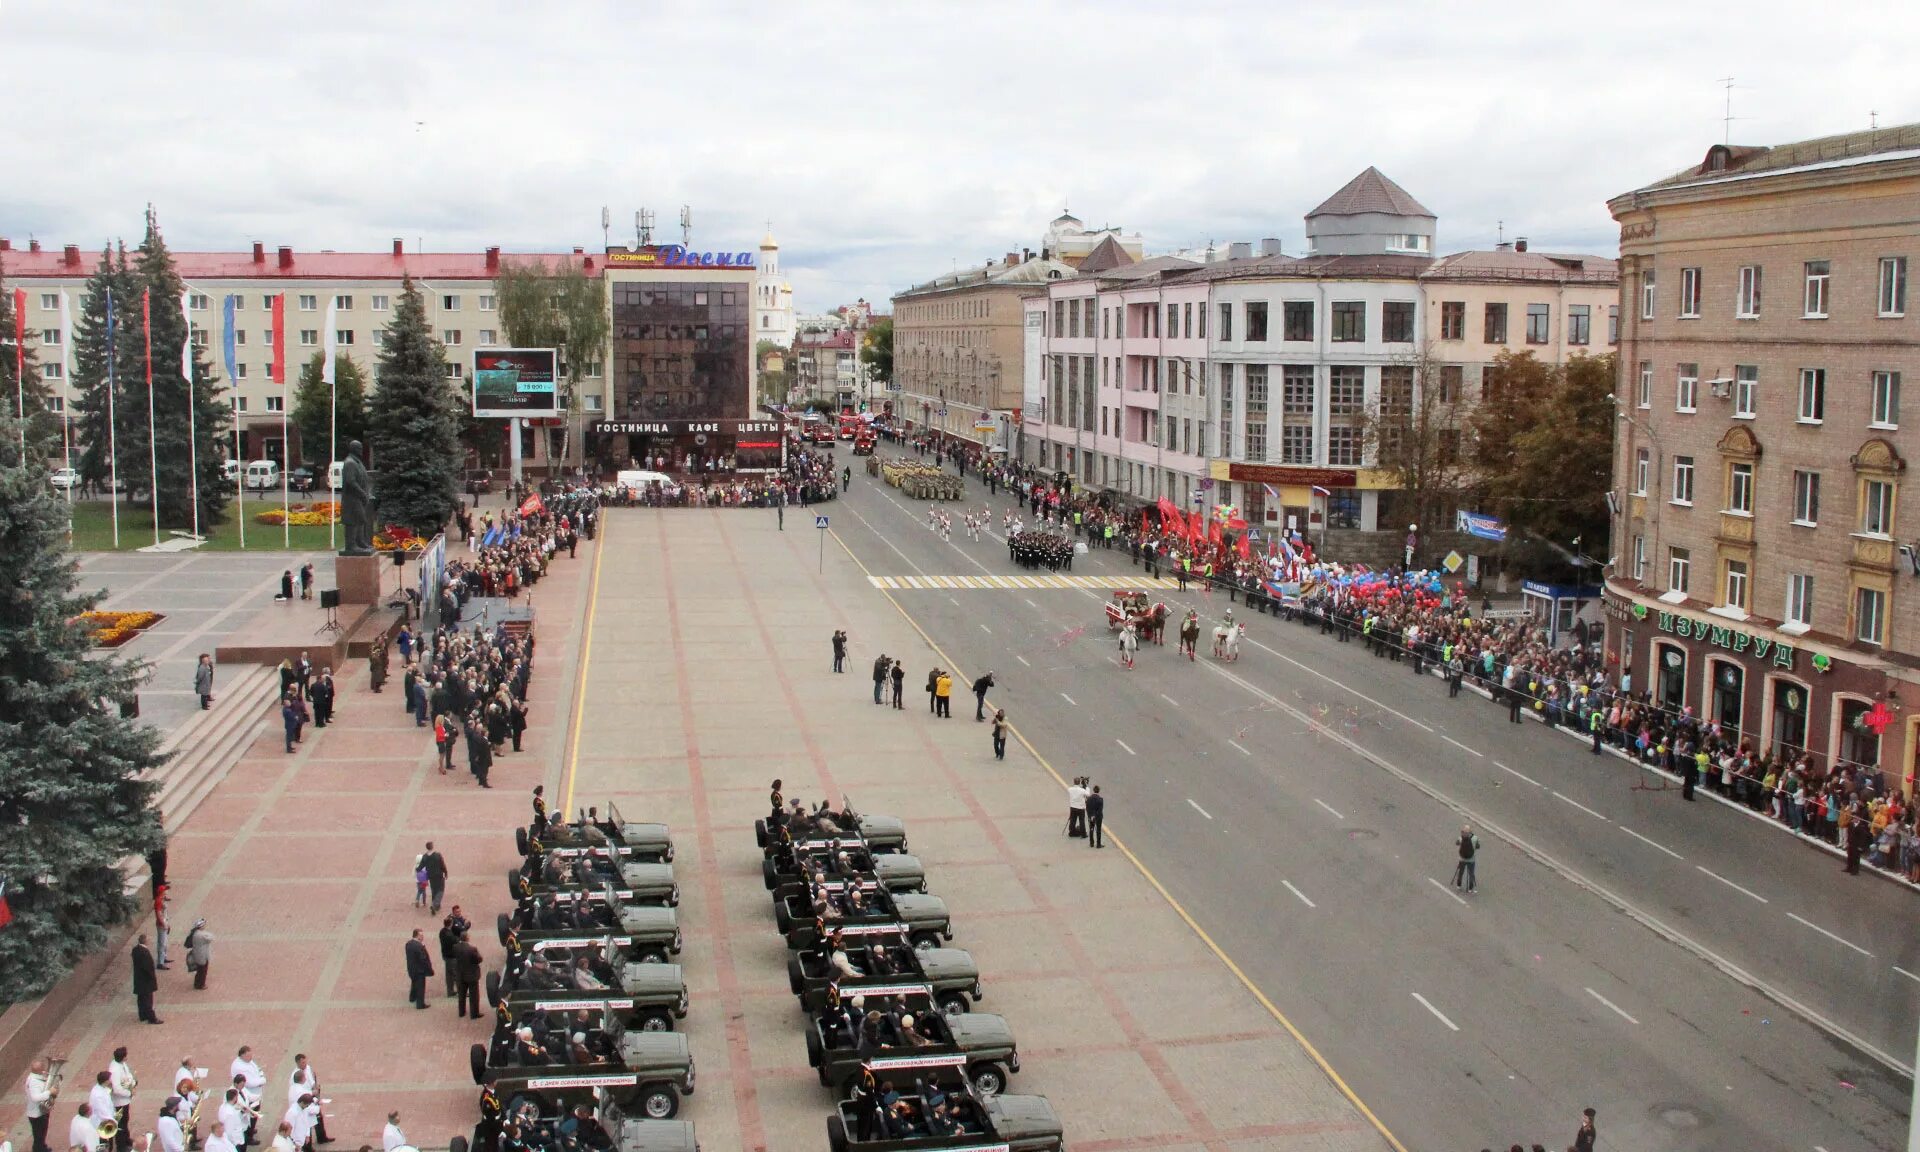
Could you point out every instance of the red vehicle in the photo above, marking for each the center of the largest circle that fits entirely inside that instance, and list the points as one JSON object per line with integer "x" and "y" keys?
{"x": 863, "y": 441}
{"x": 850, "y": 425}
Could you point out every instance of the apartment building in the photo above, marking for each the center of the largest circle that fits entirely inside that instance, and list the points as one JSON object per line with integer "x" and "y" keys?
{"x": 1763, "y": 555}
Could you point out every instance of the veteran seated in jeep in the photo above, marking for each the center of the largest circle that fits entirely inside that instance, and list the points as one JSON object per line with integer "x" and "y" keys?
{"x": 603, "y": 1127}
{"x": 642, "y": 931}
{"x": 568, "y": 1068}
{"x": 938, "y": 1109}
{"x": 881, "y": 833}
{"x": 891, "y": 1028}
{"x": 839, "y": 904}
{"x": 646, "y": 997}
{"x": 566, "y": 868}
{"x": 804, "y": 861}
{"x": 849, "y": 961}
{"x": 648, "y": 839}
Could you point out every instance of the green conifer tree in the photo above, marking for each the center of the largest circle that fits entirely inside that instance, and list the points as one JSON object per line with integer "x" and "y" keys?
{"x": 25, "y": 398}
{"x": 411, "y": 422}
{"x": 179, "y": 459}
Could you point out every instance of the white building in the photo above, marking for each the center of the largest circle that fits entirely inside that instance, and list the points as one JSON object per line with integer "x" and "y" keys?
{"x": 773, "y": 298}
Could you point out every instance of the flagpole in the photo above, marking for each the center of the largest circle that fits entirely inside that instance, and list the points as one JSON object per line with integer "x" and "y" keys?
{"x": 153, "y": 435}
{"x": 20, "y": 366}
{"x": 113, "y": 430}
{"x": 193, "y": 438}
{"x": 66, "y": 402}
{"x": 333, "y": 408}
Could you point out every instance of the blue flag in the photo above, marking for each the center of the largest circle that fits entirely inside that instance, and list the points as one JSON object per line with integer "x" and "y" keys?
{"x": 227, "y": 345}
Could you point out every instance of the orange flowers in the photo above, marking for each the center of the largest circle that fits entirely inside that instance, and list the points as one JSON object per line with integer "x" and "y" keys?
{"x": 112, "y": 629}
{"x": 318, "y": 514}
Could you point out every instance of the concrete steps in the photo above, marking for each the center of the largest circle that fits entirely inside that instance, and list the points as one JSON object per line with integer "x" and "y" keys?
{"x": 203, "y": 750}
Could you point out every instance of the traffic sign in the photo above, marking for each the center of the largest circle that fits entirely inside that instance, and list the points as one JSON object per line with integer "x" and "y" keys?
{"x": 819, "y": 521}
{"x": 1453, "y": 561}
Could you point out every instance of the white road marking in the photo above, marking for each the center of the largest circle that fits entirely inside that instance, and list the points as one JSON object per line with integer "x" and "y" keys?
{"x": 1734, "y": 886}
{"x": 1579, "y": 805}
{"x": 1300, "y": 894}
{"x": 1829, "y": 935}
{"x": 1616, "y": 1008}
{"x": 1650, "y": 843}
{"x": 1437, "y": 1014}
{"x": 1236, "y": 744}
{"x": 1030, "y": 603}
{"x": 1461, "y": 746}
{"x": 1069, "y": 699}
{"x": 953, "y": 602}
{"x": 1021, "y": 658}
{"x": 1328, "y": 807}
{"x": 1169, "y": 699}
{"x": 983, "y": 627}
{"x": 1522, "y": 775}
{"x": 1457, "y": 897}
{"x": 1201, "y": 810}
{"x": 1125, "y": 745}
{"x": 1905, "y": 973}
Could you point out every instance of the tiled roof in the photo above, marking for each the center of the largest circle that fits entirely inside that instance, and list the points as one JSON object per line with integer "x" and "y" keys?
{"x": 1724, "y": 161}
{"x": 1035, "y": 271}
{"x": 51, "y": 263}
{"x": 1370, "y": 191}
{"x": 1105, "y": 256}
{"x": 1363, "y": 267}
{"x": 1508, "y": 264}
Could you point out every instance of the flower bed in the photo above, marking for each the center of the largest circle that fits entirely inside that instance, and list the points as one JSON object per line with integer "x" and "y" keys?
{"x": 318, "y": 514}
{"x": 112, "y": 629}
{"x": 397, "y": 538}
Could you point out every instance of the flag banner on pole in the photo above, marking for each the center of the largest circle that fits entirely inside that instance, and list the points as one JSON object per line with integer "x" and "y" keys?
{"x": 280, "y": 339}
{"x": 186, "y": 345}
{"x": 327, "y": 339}
{"x": 1273, "y": 494}
{"x": 20, "y": 344}
{"x": 227, "y": 344}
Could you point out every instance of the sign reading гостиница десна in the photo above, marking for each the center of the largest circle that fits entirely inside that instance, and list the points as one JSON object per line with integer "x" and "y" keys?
{"x": 677, "y": 256}
{"x": 1734, "y": 640}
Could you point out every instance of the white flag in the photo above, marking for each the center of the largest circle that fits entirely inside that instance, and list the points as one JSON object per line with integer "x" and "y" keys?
{"x": 186, "y": 345}
{"x": 66, "y": 336}
{"x": 327, "y": 343}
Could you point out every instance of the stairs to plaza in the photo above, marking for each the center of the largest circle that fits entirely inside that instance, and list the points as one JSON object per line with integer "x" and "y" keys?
{"x": 204, "y": 749}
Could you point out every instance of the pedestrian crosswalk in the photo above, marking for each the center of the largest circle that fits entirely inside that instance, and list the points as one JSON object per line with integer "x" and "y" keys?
{"x": 1023, "y": 580}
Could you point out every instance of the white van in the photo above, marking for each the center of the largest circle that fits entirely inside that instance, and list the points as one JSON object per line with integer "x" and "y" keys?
{"x": 230, "y": 470}
{"x": 263, "y": 474}
{"x": 333, "y": 476}
{"x": 637, "y": 480}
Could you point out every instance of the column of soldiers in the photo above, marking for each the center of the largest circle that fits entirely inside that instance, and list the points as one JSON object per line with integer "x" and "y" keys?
{"x": 1035, "y": 549}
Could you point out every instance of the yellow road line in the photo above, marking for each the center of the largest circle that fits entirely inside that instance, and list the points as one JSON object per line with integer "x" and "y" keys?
{"x": 1246, "y": 981}
{"x": 580, "y": 684}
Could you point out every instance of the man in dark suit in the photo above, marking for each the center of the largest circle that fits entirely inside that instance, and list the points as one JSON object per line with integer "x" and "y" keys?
{"x": 145, "y": 980}
{"x": 479, "y": 752}
{"x": 466, "y": 967}
{"x": 1096, "y": 816}
{"x": 419, "y": 967}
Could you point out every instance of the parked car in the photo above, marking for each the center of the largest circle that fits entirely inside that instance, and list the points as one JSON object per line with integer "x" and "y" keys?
{"x": 263, "y": 474}
{"x": 649, "y": 1069}
{"x": 479, "y": 481}
{"x": 230, "y": 470}
{"x": 65, "y": 479}
{"x": 301, "y": 480}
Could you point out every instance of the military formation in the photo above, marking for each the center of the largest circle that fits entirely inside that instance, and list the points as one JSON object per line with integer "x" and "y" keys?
{"x": 1033, "y": 548}
{"x": 922, "y": 481}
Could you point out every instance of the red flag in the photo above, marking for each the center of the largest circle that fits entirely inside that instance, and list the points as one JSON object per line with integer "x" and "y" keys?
{"x": 1144, "y": 530}
{"x": 6, "y": 913}
{"x": 533, "y": 506}
{"x": 146, "y": 325}
{"x": 279, "y": 373}
{"x": 1245, "y": 547}
{"x": 19, "y": 358}
{"x": 1213, "y": 534}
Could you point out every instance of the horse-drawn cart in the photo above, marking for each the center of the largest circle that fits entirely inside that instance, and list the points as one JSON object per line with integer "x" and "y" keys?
{"x": 1149, "y": 620}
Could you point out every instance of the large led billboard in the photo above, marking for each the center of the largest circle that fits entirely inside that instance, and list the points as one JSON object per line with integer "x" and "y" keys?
{"x": 516, "y": 382}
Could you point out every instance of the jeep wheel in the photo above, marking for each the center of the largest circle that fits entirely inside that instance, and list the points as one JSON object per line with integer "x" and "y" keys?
{"x": 655, "y": 1021}
{"x": 504, "y": 925}
{"x": 653, "y": 956}
{"x": 673, "y": 897}
{"x": 477, "y": 1057}
{"x": 513, "y": 885}
{"x": 795, "y": 980}
{"x": 782, "y": 922}
{"x": 668, "y": 857}
{"x": 836, "y": 1134}
{"x": 659, "y": 1102}
{"x": 760, "y": 833}
{"x": 493, "y": 990}
{"x": 989, "y": 1079}
{"x": 953, "y": 1003}
{"x": 922, "y": 941}
{"x": 770, "y": 874}
{"x": 815, "y": 1053}
{"x": 520, "y": 840}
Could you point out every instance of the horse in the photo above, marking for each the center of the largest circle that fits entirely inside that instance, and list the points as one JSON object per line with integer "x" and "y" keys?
{"x": 1226, "y": 641}
{"x": 1190, "y": 636}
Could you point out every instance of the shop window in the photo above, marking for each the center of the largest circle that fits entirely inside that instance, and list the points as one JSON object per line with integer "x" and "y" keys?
{"x": 1859, "y": 743}
{"x": 1789, "y": 719}
{"x": 1670, "y": 677}
{"x": 1729, "y": 693}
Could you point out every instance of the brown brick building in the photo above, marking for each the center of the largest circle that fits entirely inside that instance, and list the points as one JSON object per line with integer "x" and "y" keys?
{"x": 1765, "y": 572}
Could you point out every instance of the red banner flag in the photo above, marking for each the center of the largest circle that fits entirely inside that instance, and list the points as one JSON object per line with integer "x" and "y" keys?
{"x": 1214, "y": 535}
{"x": 279, "y": 373}
{"x": 146, "y": 326}
{"x": 533, "y": 506}
{"x": 20, "y": 345}
{"x": 1245, "y": 547}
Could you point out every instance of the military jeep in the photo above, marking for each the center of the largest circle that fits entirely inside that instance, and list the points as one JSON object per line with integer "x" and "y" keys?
{"x": 979, "y": 1042}
{"x": 923, "y": 918}
{"x": 649, "y": 935}
{"x": 648, "y": 1070}
{"x": 633, "y": 881}
{"x": 885, "y": 959}
{"x": 786, "y": 872}
{"x": 629, "y": 1134}
{"x": 880, "y": 833}
{"x": 1005, "y": 1123}
{"x": 647, "y": 997}
{"x": 647, "y": 840}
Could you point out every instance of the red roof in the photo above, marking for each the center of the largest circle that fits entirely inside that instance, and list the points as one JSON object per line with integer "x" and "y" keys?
{"x": 29, "y": 265}
{"x": 839, "y": 338}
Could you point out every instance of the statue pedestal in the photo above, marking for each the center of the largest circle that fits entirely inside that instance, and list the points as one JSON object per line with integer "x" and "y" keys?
{"x": 358, "y": 578}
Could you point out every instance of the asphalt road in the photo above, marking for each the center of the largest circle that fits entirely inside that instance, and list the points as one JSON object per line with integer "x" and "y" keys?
{"x": 1699, "y": 978}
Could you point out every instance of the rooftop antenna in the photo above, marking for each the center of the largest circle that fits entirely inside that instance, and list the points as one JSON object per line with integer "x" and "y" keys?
{"x": 686, "y": 225}
{"x": 1873, "y": 118}
{"x": 606, "y": 222}
{"x": 643, "y": 223}
{"x": 1728, "y": 119}
{"x": 1500, "y": 231}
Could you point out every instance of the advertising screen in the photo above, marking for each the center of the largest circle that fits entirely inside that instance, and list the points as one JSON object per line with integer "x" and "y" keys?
{"x": 516, "y": 382}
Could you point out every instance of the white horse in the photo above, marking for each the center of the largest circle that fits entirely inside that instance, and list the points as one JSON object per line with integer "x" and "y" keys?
{"x": 1226, "y": 641}
{"x": 1129, "y": 644}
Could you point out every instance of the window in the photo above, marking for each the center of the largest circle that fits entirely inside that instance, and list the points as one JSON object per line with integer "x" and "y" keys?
{"x": 1688, "y": 389}
{"x": 1813, "y": 395}
{"x": 240, "y": 373}
{"x": 266, "y": 303}
{"x": 450, "y": 303}
{"x": 1226, "y": 322}
{"x": 1819, "y": 274}
{"x": 1740, "y": 488}
{"x": 1256, "y": 412}
{"x": 343, "y": 303}
{"x": 1256, "y": 320}
{"x": 450, "y": 337}
{"x": 1452, "y": 378}
{"x": 488, "y": 337}
{"x": 309, "y": 303}
{"x": 1453, "y": 320}
{"x": 593, "y": 370}
{"x": 1876, "y": 508}
{"x": 1539, "y": 320}
{"x": 1736, "y": 584}
{"x": 1645, "y": 397}
{"x": 1886, "y": 399}
{"x": 1173, "y": 325}
{"x": 269, "y": 370}
{"x": 1869, "y": 615}
{"x": 49, "y": 301}
{"x": 1106, "y": 315}
{"x": 1683, "y": 480}
{"x": 202, "y": 338}
{"x": 1349, "y": 320}
{"x": 1800, "y": 599}
{"x": 1893, "y": 286}
{"x": 1642, "y": 470}
{"x": 1201, "y": 311}
{"x": 1406, "y": 242}
{"x": 309, "y": 337}
{"x": 51, "y": 337}
{"x": 54, "y": 371}
{"x": 1346, "y": 399}
{"x": 197, "y": 301}
{"x": 343, "y": 337}
{"x": 1613, "y": 323}
{"x": 1579, "y": 324}
{"x": 240, "y": 402}
{"x": 1186, "y": 321}
{"x": 273, "y": 404}
{"x": 1296, "y": 320}
{"x": 1396, "y": 322}
{"x": 1496, "y": 325}
{"x": 1639, "y": 557}
{"x": 239, "y": 303}
{"x": 1806, "y": 498}
{"x": 379, "y": 304}
{"x": 240, "y": 337}
{"x": 1646, "y": 295}
{"x": 1746, "y": 389}
{"x": 1396, "y": 390}
{"x": 592, "y": 401}
{"x": 1689, "y": 292}
{"x": 1679, "y": 568}
{"x": 486, "y": 303}
{"x": 453, "y": 370}
{"x": 1747, "y": 303}
{"x": 1343, "y": 446}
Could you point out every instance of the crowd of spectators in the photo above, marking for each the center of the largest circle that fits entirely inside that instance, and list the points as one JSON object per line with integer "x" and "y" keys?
{"x": 807, "y": 478}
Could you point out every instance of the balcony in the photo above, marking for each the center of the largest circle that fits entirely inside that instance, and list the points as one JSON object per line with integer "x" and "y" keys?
{"x": 1872, "y": 554}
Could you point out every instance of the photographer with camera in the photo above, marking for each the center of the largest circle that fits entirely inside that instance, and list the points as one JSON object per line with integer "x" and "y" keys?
{"x": 1077, "y": 807}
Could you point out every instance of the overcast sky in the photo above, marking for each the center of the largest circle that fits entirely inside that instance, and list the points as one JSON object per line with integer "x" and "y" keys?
{"x": 889, "y": 141}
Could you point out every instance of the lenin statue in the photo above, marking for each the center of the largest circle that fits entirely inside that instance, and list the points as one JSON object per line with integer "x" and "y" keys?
{"x": 356, "y": 504}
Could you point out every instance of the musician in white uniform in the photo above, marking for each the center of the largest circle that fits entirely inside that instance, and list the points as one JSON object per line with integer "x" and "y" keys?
{"x": 124, "y": 1084}
{"x": 39, "y": 1103}
{"x": 100, "y": 1099}
{"x": 173, "y": 1138}
{"x": 298, "y": 1123}
{"x": 81, "y": 1134}
{"x": 306, "y": 1082}
{"x": 392, "y": 1137}
{"x": 282, "y": 1141}
{"x": 234, "y": 1118}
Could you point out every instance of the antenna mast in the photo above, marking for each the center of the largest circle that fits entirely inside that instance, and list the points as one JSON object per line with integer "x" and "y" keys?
{"x": 606, "y": 223}
{"x": 686, "y": 225}
{"x": 643, "y": 223}
{"x": 1727, "y": 120}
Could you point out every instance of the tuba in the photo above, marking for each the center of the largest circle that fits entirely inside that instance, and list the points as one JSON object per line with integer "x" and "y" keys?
{"x": 108, "y": 1129}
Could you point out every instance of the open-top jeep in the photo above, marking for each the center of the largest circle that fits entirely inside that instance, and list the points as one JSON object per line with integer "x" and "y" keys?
{"x": 646, "y": 1070}
{"x": 881, "y": 833}
{"x": 938, "y": 1112}
{"x": 647, "y": 997}
{"x": 649, "y": 935}
{"x": 843, "y": 1037}
{"x": 787, "y": 869}
{"x": 588, "y": 910}
{"x": 628, "y": 1133}
{"x": 837, "y": 905}
{"x": 647, "y": 840}
{"x": 881, "y": 959}
{"x": 633, "y": 881}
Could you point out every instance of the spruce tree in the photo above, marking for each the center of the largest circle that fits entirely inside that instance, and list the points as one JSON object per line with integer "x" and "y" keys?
{"x": 92, "y": 353}
{"x": 72, "y": 803}
{"x": 175, "y": 462}
{"x": 329, "y": 418}
{"x": 415, "y": 447}
{"x": 28, "y": 398}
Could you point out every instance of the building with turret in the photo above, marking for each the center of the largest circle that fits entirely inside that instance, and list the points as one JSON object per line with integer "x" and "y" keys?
{"x": 773, "y": 297}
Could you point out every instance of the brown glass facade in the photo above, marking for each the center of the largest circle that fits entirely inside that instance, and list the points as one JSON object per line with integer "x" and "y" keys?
{"x": 682, "y": 348}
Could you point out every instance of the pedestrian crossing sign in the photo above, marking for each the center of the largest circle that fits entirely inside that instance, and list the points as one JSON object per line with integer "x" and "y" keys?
{"x": 819, "y": 521}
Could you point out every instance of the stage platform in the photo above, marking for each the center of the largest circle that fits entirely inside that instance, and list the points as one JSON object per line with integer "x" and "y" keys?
{"x": 281, "y": 630}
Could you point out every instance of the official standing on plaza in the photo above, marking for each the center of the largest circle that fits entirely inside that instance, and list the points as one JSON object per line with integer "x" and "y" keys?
{"x": 980, "y": 689}
{"x": 839, "y": 650}
{"x": 1077, "y": 807}
{"x": 466, "y": 965}
{"x": 199, "y": 946}
{"x": 290, "y": 719}
{"x": 899, "y": 675}
{"x": 479, "y": 752}
{"x": 999, "y": 733}
{"x": 203, "y": 681}
{"x": 1096, "y": 816}
{"x": 322, "y": 695}
{"x": 145, "y": 980}
{"x": 419, "y": 967}
{"x": 436, "y": 868}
